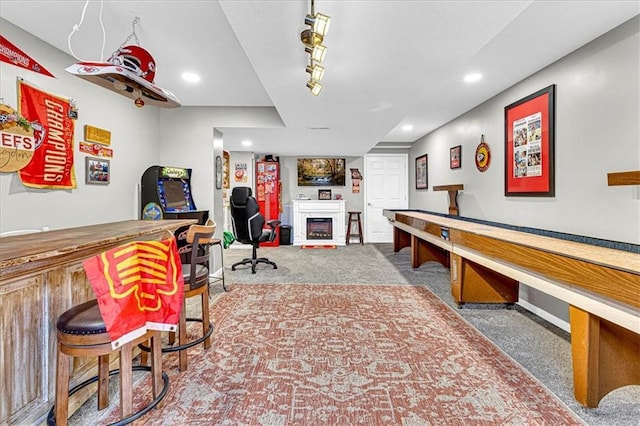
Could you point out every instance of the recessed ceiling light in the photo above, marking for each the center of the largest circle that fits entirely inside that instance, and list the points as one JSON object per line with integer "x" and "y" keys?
{"x": 407, "y": 128}
{"x": 473, "y": 77}
{"x": 247, "y": 143}
{"x": 190, "y": 77}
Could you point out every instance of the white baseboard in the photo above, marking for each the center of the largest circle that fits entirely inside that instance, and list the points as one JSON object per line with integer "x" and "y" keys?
{"x": 560, "y": 323}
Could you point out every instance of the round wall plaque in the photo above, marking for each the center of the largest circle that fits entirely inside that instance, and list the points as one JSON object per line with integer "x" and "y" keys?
{"x": 483, "y": 155}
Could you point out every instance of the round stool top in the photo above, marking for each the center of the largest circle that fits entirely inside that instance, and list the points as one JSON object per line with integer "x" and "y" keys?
{"x": 354, "y": 212}
{"x": 201, "y": 273}
{"x": 82, "y": 319}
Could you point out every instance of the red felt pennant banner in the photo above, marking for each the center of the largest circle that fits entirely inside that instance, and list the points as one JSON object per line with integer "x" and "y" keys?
{"x": 11, "y": 54}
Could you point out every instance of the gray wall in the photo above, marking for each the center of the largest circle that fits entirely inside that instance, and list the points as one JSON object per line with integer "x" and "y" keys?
{"x": 134, "y": 136}
{"x": 597, "y": 132}
{"x": 289, "y": 167}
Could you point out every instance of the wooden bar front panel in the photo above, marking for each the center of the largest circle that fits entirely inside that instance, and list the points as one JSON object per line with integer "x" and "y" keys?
{"x": 41, "y": 276}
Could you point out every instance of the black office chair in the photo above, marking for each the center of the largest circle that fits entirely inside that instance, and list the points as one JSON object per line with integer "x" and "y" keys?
{"x": 248, "y": 226}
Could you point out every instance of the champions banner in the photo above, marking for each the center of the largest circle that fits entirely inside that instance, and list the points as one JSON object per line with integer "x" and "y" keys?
{"x": 139, "y": 287}
{"x": 52, "y": 162}
{"x": 10, "y": 54}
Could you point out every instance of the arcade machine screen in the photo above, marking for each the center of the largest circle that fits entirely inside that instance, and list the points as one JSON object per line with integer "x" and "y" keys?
{"x": 175, "y": 195}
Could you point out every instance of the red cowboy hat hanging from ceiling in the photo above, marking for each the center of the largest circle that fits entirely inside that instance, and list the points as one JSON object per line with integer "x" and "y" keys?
{"x": 129, "y": 71}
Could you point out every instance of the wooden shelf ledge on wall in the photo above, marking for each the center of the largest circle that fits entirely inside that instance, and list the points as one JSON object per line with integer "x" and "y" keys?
{"x": 623, "y": 178}
{"x": 453, "y": 196}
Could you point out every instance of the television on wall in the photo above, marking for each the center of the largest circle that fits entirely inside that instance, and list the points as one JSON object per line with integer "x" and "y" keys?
{"x": 321, "y": 171}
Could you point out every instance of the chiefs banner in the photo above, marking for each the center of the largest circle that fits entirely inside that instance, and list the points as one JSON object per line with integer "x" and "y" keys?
{"x": 139, "y": 287}
{"x": 52, "y": 162}
{"x": 11, "y": 54}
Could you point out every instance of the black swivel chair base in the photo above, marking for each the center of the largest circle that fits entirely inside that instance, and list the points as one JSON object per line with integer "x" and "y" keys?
{"x": 254, "y": 261}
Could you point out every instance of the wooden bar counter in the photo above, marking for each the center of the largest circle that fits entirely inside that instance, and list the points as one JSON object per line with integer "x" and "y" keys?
{"x": 600, "y": 281}
{"x": 41, "y": 276}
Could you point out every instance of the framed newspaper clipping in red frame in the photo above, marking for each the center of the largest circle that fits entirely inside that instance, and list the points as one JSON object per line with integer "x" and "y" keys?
{"x": 529, "y": 134}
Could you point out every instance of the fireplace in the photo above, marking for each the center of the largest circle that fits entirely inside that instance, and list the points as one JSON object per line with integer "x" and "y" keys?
{"x": 319, "y": 228}
{"x": 319, "y": 221}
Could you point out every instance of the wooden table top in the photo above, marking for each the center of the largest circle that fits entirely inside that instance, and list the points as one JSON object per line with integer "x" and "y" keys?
{"x": 38, "y": 247}
{"x": 618, "y": 259}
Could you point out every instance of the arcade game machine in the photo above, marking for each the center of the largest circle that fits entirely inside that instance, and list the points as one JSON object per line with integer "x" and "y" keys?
{"x": 166, "y": 194}
{"x": 268, "y": 195}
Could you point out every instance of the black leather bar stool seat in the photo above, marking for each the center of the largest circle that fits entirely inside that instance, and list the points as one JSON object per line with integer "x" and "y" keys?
{"x": 202, "y": 277}
{"x": 83, "y": 333}
{"x": 82, "y": 319}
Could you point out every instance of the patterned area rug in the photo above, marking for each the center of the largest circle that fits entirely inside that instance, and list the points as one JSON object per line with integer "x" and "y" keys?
{"x": 348, "y": 355}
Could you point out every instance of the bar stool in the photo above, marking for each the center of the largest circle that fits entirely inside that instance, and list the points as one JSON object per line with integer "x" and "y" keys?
{"x": 354, "y": 217}
{"x": 196, "y": 283}
{"x": 81, "y": 333}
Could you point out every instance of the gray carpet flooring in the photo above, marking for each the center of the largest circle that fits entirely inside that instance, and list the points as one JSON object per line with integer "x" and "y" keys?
{"x": 541, "y": 348}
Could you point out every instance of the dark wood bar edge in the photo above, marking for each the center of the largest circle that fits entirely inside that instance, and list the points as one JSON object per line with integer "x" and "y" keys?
{"x": 623, "y": 178}
{"x": 600, "y": 284}
{"x": 41, "y": 276}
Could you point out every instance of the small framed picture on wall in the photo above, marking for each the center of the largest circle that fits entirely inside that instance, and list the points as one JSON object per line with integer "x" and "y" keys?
{"x": 421, "y": 172}
{"x": 97, "y": 171}
{"x": 455, "y": 157}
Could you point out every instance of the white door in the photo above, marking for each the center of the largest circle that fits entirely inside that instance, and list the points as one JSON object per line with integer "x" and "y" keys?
{"x": 386, "y": 186}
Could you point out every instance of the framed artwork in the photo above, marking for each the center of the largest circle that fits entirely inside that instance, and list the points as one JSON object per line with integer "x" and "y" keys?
{"x": 529, "y": 133}
{"x": 324, "y": 194}
{"x": 421, "y": 172}
{"x": 455, "y": 157}
{"x": 97, "y": 171}
{"x": 321, "y": 171}
{"x": 218, "y": 172}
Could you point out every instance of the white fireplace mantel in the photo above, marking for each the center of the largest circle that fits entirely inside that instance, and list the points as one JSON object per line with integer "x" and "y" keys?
{"x": 303, "y": 209}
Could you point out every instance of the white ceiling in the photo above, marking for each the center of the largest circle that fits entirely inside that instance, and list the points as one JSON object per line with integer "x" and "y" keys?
{"x": 388, "y": 63}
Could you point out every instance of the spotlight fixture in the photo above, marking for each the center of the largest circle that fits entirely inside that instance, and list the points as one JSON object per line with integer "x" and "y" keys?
{"x": 316, "y": 71}
{"x": 315, "y": 87}
{"x": 318, "y": 22}
{"x": 312, "y": 38}
{"x": 317, "y": 53}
